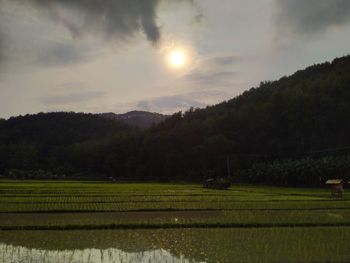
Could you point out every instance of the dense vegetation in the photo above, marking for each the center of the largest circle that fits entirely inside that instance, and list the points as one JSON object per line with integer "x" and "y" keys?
{"x": 47, "y": 142}
{"x": 302, "y": 117}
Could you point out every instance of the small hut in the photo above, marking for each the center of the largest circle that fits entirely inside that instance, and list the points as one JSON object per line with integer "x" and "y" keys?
{"x": 217, "y": 183}
{"x": 336, "y": 187}
{"x": 209, "y": 183}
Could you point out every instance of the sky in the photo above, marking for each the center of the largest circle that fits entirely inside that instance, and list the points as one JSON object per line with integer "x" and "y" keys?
{"x": 115, "y": 55}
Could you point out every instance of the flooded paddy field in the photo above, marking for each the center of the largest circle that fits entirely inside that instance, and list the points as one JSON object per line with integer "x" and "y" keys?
{"x": 124, "y": 222}
{"x": 174, "y": 219}
{"x": 178, "y": 245}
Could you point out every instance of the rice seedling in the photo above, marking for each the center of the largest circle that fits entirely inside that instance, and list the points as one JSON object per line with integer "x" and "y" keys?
{"x": 183, "y": 221}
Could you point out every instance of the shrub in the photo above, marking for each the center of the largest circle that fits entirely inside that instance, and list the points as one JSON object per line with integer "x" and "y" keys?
{"x": 304, "y": 172}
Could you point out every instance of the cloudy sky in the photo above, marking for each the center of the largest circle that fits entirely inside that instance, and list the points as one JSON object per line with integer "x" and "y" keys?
{"x": 117, "y": 55}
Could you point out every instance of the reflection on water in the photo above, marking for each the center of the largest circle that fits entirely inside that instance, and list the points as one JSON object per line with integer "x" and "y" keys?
{"x": 15, "y": 254}
{"x": 327, "y": 244}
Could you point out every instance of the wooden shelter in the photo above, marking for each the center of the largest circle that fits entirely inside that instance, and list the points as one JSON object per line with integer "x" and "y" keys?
{"x": 217, "y": 183}
{"x": 336, "y": 187}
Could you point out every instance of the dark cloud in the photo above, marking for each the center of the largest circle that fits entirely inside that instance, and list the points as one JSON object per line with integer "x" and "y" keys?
{"x": 60, "y": 54}
{"x": 199, "y": 17}
{"x": 71, "y": 98}
{"x": 112, "y": 18}
{"x": 304, "y": 17}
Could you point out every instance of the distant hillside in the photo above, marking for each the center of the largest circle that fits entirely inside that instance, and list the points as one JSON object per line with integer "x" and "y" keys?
{"x": 293, "y": 117}
{"x": 141, "y": 119}
{"x": 47, "y": 140}
{"x": 58, "y": 128}
{"x": 303, "y": 115}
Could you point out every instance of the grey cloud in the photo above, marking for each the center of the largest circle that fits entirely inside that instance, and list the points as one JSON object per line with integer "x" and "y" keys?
{"x": 300, "y": 17}
{"x": 60, "y": 54}
{"x": 26, "y": 43}
{"x": 213, "y": 71}
{"x": 223, "y": 60}
{"x": 71, "y": 85}
{"x": 209, "y": 76}
{"x": 112, "y": 18}
{"x": 174, "y": 103}
{"x": 199, "y": 17}
{"x": 2, "y": 49}
{"x": 169, "y": 104}
{"x": 2, "y": 45}
{"x": 71, "y": 98}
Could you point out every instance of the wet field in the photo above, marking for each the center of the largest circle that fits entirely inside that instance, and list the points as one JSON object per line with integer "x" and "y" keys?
{"x": 178, "y": 245}
{"x": 102, "y": 222}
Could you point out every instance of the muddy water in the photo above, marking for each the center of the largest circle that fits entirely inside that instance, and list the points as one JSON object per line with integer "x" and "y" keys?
{"x": 329, "y": 244}
{"x": 22, "y": 254}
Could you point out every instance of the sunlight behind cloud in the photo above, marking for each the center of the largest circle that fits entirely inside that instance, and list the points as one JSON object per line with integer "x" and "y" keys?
{"x": 177, "y": 58}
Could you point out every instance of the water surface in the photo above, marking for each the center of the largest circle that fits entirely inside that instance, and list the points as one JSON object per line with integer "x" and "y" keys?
{"x": 330, "y": 244}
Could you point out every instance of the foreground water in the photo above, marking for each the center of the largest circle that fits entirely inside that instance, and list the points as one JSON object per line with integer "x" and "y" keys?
{"x": 23, "y": 254}
{"x": 178, "y": 245}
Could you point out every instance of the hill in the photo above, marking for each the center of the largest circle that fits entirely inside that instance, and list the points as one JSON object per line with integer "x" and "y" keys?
{"x": 142, "y": 119}
{"x": 41, "y": 141}
{"x": 290, "y": 118}
{"x": 58, "y": 128}
{"x": 301, "y": 116}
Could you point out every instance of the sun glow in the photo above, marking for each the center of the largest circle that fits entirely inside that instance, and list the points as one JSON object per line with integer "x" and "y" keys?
{"x": 177, "y": 58}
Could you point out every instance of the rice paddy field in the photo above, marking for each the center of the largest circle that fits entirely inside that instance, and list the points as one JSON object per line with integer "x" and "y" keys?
{"x": 66, "y": 221}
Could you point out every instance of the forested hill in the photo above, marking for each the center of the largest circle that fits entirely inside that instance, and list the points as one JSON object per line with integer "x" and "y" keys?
{"x": 290, "y": 118}
{"x": 293, "y": 117}
{"x": 142, "y": 119}
{"x": 58, "y": 128}
{"x": 46, "y": 141}
{"x": 305, "y": 112}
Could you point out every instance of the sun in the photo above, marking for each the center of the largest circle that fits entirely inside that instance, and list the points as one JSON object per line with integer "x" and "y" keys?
{"x": 177, "y": 58}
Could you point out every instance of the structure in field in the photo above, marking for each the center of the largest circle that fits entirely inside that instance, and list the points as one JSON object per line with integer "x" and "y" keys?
{"x": 217, "y": 183}
{"x": 336, "y": 187}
